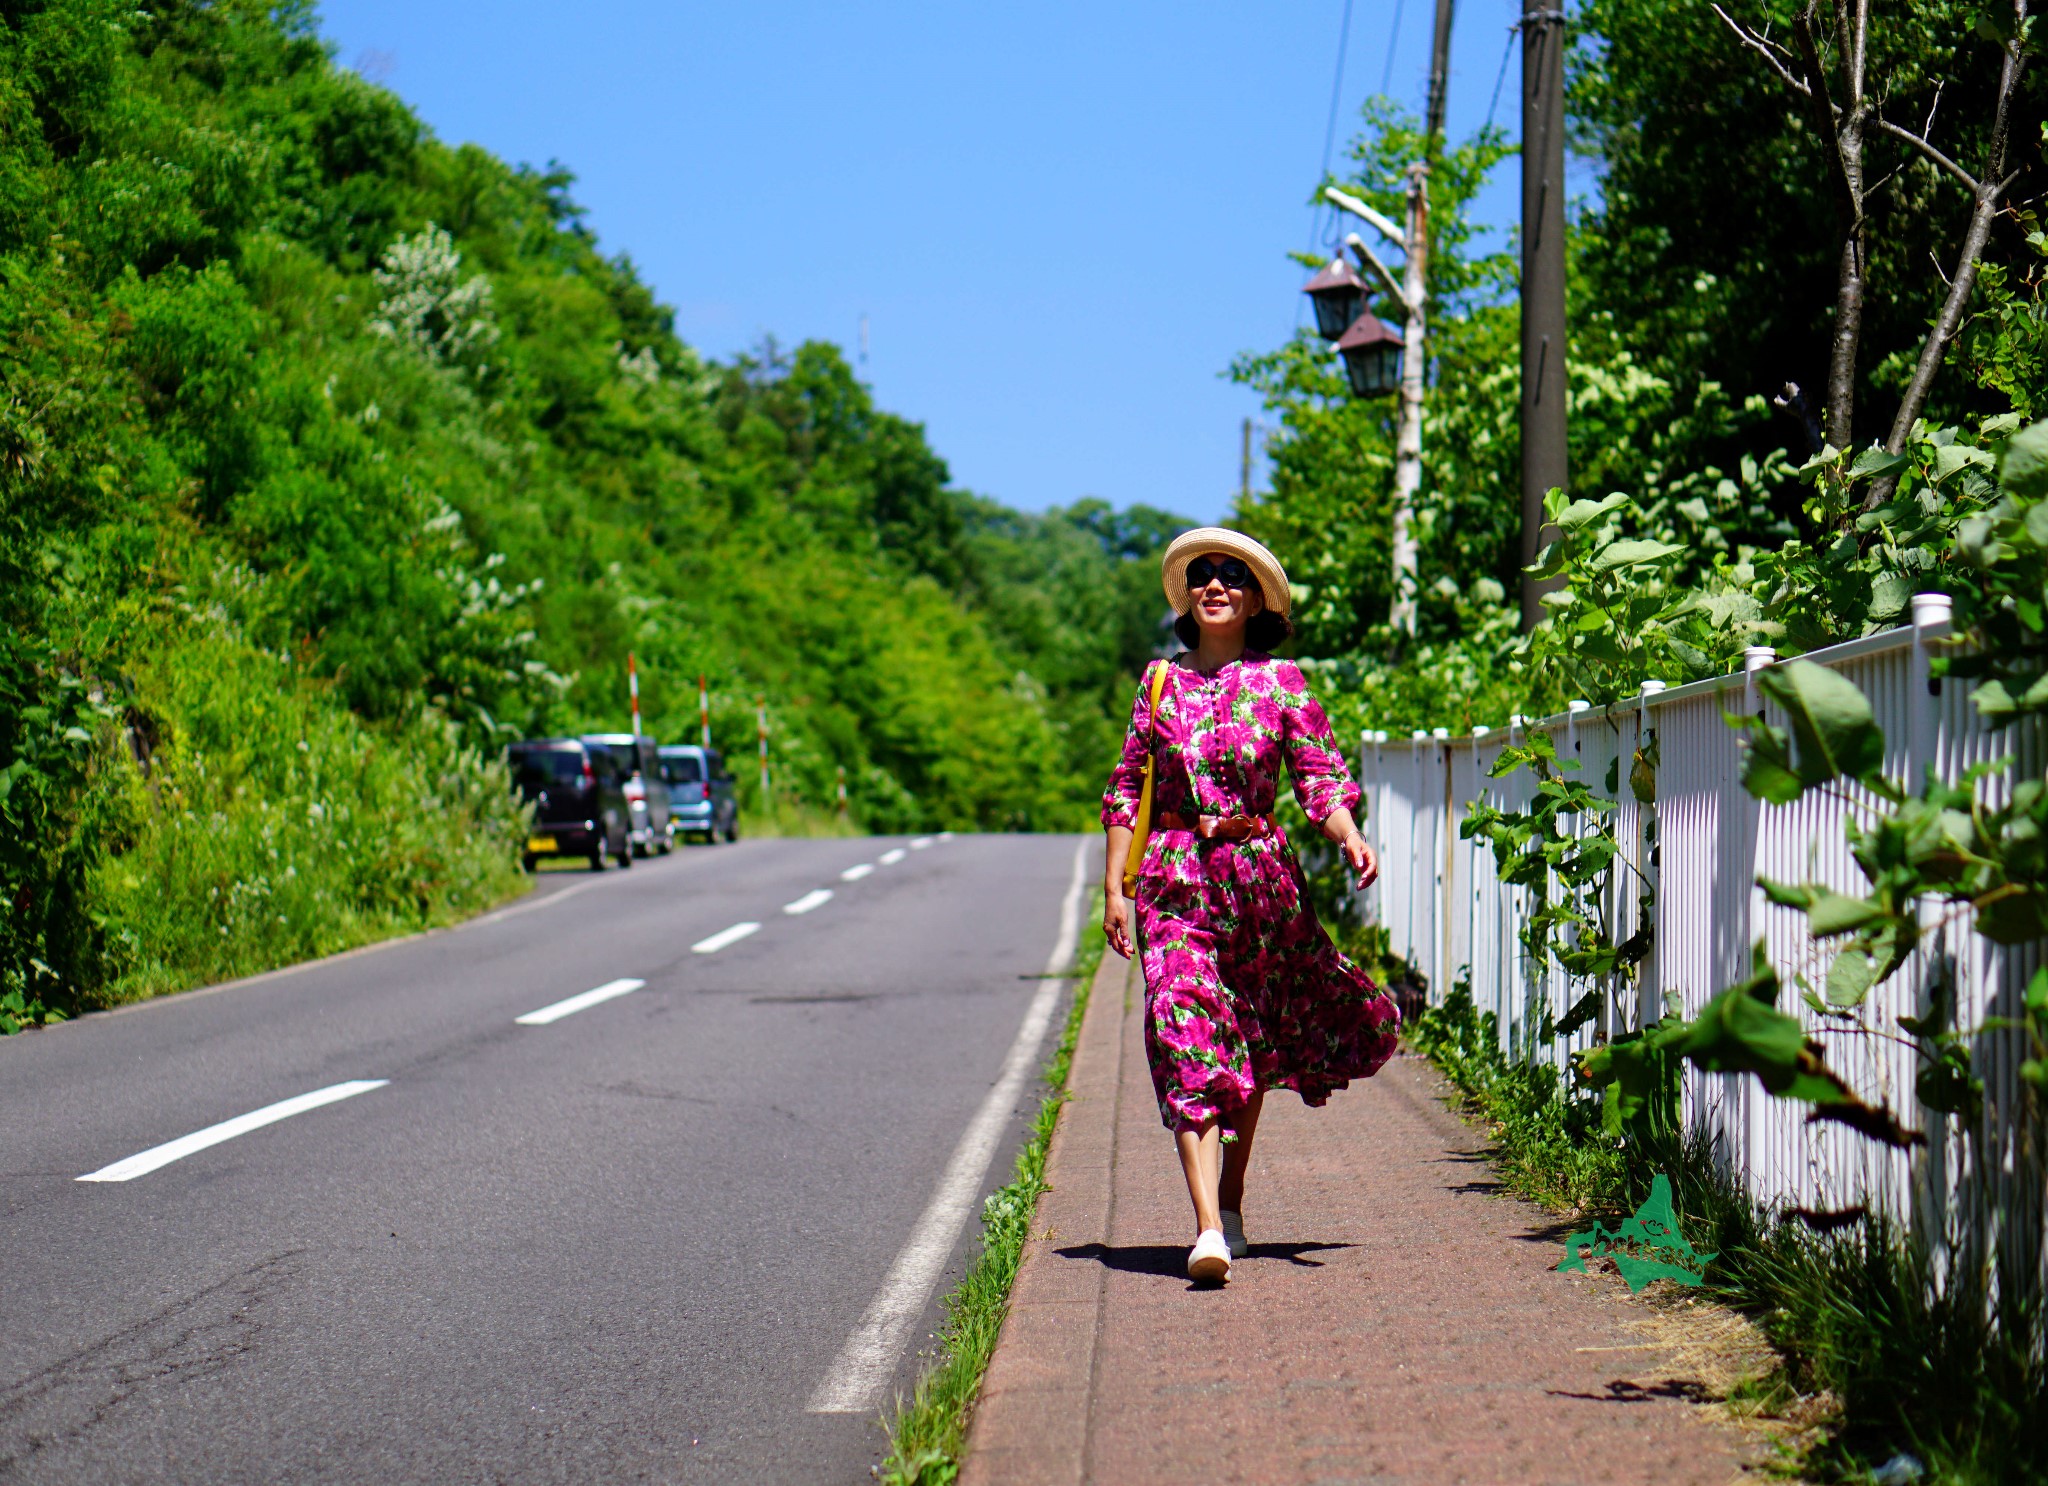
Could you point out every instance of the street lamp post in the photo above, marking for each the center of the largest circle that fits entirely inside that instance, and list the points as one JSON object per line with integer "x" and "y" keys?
{"x": 1410, "y": 291}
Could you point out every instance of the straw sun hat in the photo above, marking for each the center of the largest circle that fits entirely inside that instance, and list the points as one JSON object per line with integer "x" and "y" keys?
{"x": 1189, "y": 545}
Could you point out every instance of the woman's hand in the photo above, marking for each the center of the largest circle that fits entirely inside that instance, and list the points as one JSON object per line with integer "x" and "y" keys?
{"x": 1342, "y": 830}
{"x": 1365, "y": 862}
{"x": 1116, "y": 921}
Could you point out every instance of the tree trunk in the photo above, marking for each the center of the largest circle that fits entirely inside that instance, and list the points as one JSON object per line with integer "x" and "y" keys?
{"x": 1990, "y": 192}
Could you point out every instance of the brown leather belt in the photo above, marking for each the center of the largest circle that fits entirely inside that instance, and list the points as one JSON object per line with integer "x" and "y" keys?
{"x": 1229, "y": 827}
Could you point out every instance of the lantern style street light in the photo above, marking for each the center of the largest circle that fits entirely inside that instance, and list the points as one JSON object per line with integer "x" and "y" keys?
{"x": 1338, "y": 294}
{"x": 1371, "y": 349}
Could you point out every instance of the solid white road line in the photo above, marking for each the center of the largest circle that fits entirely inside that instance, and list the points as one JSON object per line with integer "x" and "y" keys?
{"x": 724, "y": 937}
{"x": 920, "y": 843}
{"x": 865, "y": 1364}
{"x": 817, "y": 897}
{"x": 855, "y": 874}
{"x": 561, "y": 1009}
{"x": 144, "y": 1162}
{"x": 892, "y": 857}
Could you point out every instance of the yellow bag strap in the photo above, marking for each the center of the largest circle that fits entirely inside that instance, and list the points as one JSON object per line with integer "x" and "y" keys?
{"x": 1142, "y": 827}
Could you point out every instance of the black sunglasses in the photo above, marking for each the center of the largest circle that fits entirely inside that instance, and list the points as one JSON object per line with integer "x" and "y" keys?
{"x": 1232, "y": 570}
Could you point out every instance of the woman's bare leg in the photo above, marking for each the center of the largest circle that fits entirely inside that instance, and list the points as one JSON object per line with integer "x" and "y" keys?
{"x": 1237, "y": 1155}
{"x": 1201, "y": 1163}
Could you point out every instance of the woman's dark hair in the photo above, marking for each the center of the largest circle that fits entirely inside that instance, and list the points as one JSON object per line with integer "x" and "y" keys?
{"x": 1264, "y": 631}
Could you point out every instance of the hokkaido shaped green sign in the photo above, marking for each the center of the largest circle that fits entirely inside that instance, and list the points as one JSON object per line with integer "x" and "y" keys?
{"x": 1645, "y": 1247}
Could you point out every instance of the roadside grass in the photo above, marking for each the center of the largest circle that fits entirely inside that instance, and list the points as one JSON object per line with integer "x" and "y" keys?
{"x": 253, "y": 824}
{"x": 1876, "y": 1358}
{"x": 788, "y": 817}
{"x": 928, "y": 1435}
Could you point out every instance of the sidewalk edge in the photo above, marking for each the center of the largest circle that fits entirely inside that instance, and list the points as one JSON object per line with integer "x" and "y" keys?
{"x": 1031, "y": 1423}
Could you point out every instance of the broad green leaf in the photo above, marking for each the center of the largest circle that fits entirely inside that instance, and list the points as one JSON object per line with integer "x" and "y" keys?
{"x": 1832, "y": 913}
{"x": 1833, "y": 731}
{"x": 1947, "y": 461}
{"x": 1977, "y": 543}
{"x": 1767, "y": 770}
{"x": 1633, "y": 553}
{"x": 2013, "y": 914}
{"x": 1582, "y": 1011}
{"x": 1875, "y": 461}
{"x": 1787, "y": 894}
{"x": 2036, "y": 525}
{"x": 1850, "y": 979}
{"x": 1582, "y": 513}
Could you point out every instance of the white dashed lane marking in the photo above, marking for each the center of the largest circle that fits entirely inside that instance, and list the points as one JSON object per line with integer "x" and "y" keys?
{"x": 855, "y": 874}
{"x": 561, "y": 1009}
{"x": 891, "y": 858}
{"x": 817, "y": 897}
{"x": 724, "y": 937}
{"x": 144, "y": 1162}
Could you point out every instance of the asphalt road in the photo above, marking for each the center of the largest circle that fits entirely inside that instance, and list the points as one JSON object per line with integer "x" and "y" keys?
{"x": 631, "y": 1243}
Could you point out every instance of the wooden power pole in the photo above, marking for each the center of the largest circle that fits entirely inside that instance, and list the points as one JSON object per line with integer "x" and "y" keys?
{"x": 1543, "y": 310}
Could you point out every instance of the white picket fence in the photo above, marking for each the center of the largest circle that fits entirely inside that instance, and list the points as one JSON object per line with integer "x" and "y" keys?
{"x": 1701, "y": 847}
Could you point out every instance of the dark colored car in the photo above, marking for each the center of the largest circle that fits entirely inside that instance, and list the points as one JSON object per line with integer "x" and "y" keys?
{"x": 647, "y": 797}
{"x": 701, "y": 799}
{"x": 579, "y": 801}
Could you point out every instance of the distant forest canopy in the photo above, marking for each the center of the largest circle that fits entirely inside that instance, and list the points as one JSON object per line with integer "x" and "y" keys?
{"x": 333, "y": 456}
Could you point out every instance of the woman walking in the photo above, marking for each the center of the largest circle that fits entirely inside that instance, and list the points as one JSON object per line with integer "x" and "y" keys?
{"x": 1243, "y": 990}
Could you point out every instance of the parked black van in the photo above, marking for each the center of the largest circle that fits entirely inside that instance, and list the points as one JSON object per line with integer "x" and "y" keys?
{"x": 579, "y": 801}
{"x": 646, "y": 792}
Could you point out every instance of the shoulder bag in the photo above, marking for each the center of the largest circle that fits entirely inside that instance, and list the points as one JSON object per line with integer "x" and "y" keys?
{"x": 1142, "y": 826}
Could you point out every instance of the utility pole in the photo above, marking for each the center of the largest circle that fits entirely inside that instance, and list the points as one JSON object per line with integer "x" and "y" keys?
{"x": 1544, "y": 449}
{"x": 1244, "y": 469}
{"x": 1412, "y": 291}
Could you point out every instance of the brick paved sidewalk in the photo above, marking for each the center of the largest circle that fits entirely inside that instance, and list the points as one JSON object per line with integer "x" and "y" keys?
{"x": 1396, "y": 1321}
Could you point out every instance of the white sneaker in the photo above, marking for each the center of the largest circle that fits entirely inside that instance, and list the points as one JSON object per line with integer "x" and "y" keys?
{"x": 1233, "y": 1234}
{"x": 1209, "y": 1259}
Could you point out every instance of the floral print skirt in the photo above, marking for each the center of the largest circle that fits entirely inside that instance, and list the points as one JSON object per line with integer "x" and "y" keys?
{"x": 1243, "y": 989}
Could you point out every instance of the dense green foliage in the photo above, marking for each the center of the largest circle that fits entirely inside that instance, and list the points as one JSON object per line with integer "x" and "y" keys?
{"x": 332, "y": 456}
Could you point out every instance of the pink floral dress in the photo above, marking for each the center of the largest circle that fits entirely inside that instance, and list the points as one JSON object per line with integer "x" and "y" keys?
{"x": 1243, "y": 989}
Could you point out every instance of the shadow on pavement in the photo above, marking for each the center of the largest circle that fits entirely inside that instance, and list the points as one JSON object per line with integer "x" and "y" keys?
{"x": 1621, "y": 1390}
{"x": 1170, "y": 1260}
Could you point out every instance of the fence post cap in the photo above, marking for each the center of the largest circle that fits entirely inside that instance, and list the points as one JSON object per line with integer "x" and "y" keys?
{"x": 1515, "y": 719}
{"x": 1480, "y": 729}
{"x": 1440, "y": 732}
{"x": 1650, "y": 688}
{"x": 1930, "y": 609}
{"x": 1756, "y": 657}
{"x": 1577, "y": 705}
{"x": 1417, "y": 734}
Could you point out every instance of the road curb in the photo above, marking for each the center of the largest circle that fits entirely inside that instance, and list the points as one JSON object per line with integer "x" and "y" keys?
{"x": 1032, "y": 1421}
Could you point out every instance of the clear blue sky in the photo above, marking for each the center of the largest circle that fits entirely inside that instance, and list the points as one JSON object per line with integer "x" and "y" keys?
{"x": 1061, "y": 220}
